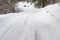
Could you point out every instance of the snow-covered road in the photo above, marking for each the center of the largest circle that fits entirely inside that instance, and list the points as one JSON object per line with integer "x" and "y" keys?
{"x": 43, "y": 24}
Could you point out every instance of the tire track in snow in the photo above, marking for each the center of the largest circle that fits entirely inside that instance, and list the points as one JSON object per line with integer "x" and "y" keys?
{"x": 7, "y": 28}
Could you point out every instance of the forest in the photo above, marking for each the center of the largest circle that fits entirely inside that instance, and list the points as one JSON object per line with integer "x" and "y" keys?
{"x": 7, "y": 6}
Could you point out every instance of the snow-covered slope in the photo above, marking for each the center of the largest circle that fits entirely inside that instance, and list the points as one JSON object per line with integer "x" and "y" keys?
{"x": 28, "y": 25}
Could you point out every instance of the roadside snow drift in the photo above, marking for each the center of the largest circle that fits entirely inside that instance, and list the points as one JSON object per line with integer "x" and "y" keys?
{"x": 26, "y": 7}
{"x": 31, "y": 23}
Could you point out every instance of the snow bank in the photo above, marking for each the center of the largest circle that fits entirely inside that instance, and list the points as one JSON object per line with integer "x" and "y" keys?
{"x": 26, "y": 7}
{"x": 28, "y": 25}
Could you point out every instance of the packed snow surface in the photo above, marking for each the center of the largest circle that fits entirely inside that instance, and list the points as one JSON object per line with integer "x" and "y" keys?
{"x": 31, "y": 23}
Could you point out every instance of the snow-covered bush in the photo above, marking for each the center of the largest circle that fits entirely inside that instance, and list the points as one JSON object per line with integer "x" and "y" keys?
{"x": 22, "y": 6}
{"x": 25, "y": 7}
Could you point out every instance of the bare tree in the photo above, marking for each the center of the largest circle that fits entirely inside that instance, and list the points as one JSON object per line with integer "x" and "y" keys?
{"x": 6, "y": 6}
{"x": 44, "y": 3}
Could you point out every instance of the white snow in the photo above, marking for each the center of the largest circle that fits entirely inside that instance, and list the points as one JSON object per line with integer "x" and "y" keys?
{"x": 26, "y": 7}
{"x": 31, "y": 23}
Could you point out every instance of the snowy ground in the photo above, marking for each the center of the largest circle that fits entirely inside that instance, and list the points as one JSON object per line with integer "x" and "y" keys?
{"x": 31, "y": 23}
